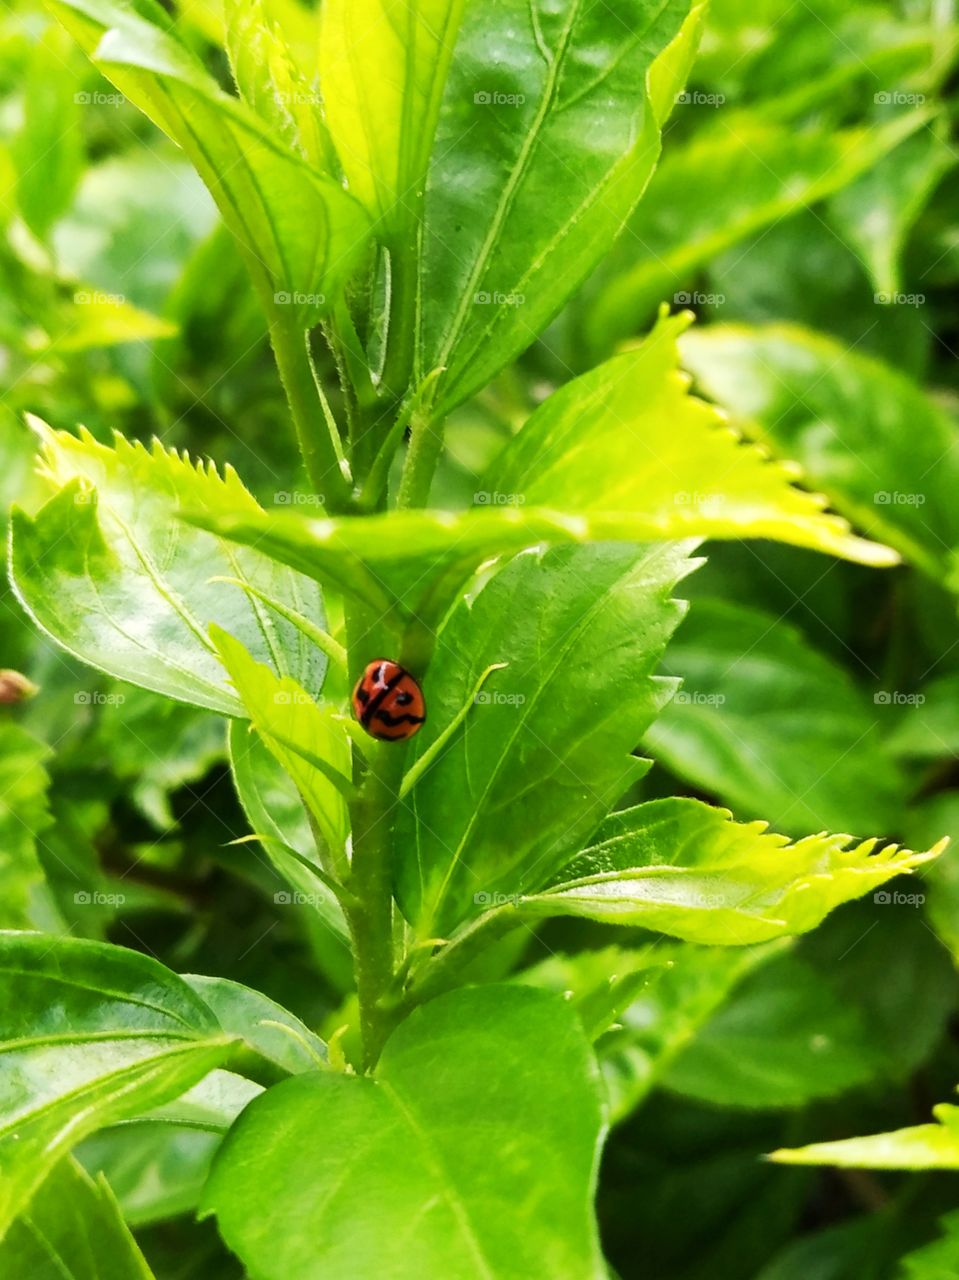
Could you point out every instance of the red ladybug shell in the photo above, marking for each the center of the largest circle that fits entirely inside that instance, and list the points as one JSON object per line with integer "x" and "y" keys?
{"x": 388, "y": 702}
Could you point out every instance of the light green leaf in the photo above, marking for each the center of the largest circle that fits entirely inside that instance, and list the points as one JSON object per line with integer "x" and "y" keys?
{"x": 400, "y": 1154}
{"x": 48, "y": 152}
{"x": 269, "y": 77}
{"x": 784, "y": 1038}
{"x": 267, "y": 1029}
{"x": 383, "y": 66}
{"x": 72, "y": 1230}
{"x": 24, "y": 814}
{"x": 924, "y": 1146}
{"x": 300, "y": 232}
{"x": 298, "y": 732}
{"x": 545, "y": 144}
{"x": 757, "y": 173}
{"x": 773, "y": 728}
{"x": 97, "y": 319}
{"x": 111, "y": 574}
{"x": 627, "y": 440}
{"x": 681, "y": 867}
{"x": 157, "y": 1163}
{"x": 90, "y": 1034}
{"x": 884, "y": 453}
{"x": 576, "y": 696}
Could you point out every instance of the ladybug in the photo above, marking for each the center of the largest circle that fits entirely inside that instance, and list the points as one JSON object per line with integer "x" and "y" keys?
{"x": 388, "y": 702}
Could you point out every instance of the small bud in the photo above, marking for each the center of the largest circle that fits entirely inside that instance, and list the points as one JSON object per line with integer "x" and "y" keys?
{"x": 15, "y": 687}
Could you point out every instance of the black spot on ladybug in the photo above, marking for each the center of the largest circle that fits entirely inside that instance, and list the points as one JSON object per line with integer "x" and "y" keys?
{"x": 388, "y": 701}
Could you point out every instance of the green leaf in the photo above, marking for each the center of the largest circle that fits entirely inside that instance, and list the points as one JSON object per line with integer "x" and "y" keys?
{"x": 876, "y": 212}
{"x": 97, "y": 319}
{"x": 884, "y": 453}
{"x": 90, "y": 1035}
{"x": 300, "y": 232}
{"x": 383, "y": 68}
{"x": 110, "y": 573}
{"x": 784, "y": 1038}
{"x": 924, "y": 1146}
{"x": 24, "y": 814}
{"x": 757, "y": 173}
{"x": 627, "y": 440}
{"x": 908, "y": 1012}
{"x": 157, "y": 1163}
{"x": 652, "y": 999}
{"x": 929, "y": 725}
{"x": 576, "y": 696}
{"x": 679, "y": 472}
{"x": 415, "y": 1192}
{"x": 938, "y": 1260}
{"x": 302, "y": 735}
{"x": 545, "y": 144}
{"x": 265, "y": 1027}
{"x": 681, "y": 867}
{"x": 774, "y": 728}
{"x": 270, "y": 79}
{"x": 155, "y": 747}
{"x": 72, "y": 1230}
{"x": 48, "y": 152}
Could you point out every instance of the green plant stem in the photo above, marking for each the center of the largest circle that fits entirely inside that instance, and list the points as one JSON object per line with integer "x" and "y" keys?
{"x": 372, "y": 814}
{"x": 371, "y": 883}
{"x": 398, "y": 366}
{"x": 321, "y": 455}
{"x": 426, "y": 441}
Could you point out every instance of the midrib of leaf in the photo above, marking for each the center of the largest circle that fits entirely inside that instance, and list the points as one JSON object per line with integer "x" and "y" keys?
{"x": 121, "y": 996}
{"x": 153, "y": 575}
{"x": 450, "y": 1193}
{"x": 92, "y": 1037}
{"x": 572, "y": 636}
{"x": 626, "y": 49}
{"x": 128, "y": 1079}
{"x": 595, "y": 197}
{"x": 530, "y": 143}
